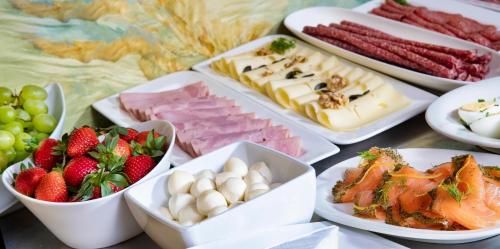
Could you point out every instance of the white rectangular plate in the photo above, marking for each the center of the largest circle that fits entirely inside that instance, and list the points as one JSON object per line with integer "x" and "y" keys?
{"x": 421, "y": 159}
{"x": 451, "y": 6}
{"x": 315, "y": 146}
{"x": 420, "y": 99}
{"x": 296, "y": 21}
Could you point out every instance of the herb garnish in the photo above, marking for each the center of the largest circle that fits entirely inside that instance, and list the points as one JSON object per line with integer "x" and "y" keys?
{"x": 281, "y": 45}
{"x": 367, "y": 155}
{"x": 480, "y": 100}
{"x": 453, "y": 190}
{"x": 402, "y": 2}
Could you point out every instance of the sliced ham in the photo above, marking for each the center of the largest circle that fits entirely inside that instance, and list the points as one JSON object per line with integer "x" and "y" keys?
{"x": 188, "y": 106}
{"x": 183, "y": 116}
{"x": 208, "y": 144}
{"x": 215, "y": 121}
{"x": 143, "y": 113}
{"x": 291, "y": 146}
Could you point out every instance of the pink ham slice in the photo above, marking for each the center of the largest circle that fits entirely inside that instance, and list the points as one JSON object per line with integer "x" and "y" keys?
{"x": 208, "y": 144}
{"x": 291, "y": 146}
{"x": 196, "y": 104}
{"x": 143, "y": 114}
{"x": 139, "y": 100}
{"x": 215, "y": 121}
{"x": 183, "y": 116}
{"x": 185, "y": 136}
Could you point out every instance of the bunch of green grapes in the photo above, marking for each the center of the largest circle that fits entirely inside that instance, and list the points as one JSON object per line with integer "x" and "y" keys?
{"x": 24, "y": 120}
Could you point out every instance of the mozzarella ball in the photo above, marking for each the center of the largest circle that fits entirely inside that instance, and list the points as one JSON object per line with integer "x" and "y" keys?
{"x": 258, "y": 186}
{"x": 233, "y": 189}
{"x": 275, "y": 185}
{"x": 222, "y": 177}
{"x": 235, "y": 204}
{"x": 216, "y": 211}
{"x": 209, "y": 200}
{"x": 251, "y": 194}
{"x": 189, "y": 215}
{"x": 166, "y": 213}
{"x": 201, "y": 185}
{"x": 254, "y": 177}
{"x": 262, "y": 168}
{"x": 206, "y": 173}
{"x": 178, "y": 202}
{"x": 180, "y": 182}
{"x": 236, "y": 166}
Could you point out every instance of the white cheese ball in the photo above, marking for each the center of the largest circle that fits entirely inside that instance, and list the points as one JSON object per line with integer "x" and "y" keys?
{"x": 209, "y": 200}
{"x": 236, "y": 166}
{"x": 206, "y": 173}
{"x": 236, "y": 204}
{"x": 249, "y": 195}
{"x": 180, "y": 182}
{"x": 189, "y": 215}
{"x": 201, "y": 185}
{"x": 222, "y": 177}
{"x": 262, "y": 168}
{"x": 178, "y": 202}
{"x": 166, "y": 213}
{"x": 260, "y": 185}
{"x": 275, "y": 185}
{"x": 216, "y": 211}
{"x": 254, "y": 177}
{"x": 233, "y": 189}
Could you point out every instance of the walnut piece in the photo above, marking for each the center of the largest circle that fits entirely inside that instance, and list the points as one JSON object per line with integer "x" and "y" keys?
{"x": 267, "y": 72}
{"x": 263, "y": 52}
{"x": 332, "y": 100}
{"x": 295, "y": 60}
{"x": 335, "y": 83}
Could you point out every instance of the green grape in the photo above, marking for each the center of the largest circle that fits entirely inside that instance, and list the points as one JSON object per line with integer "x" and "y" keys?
{"x": 40, "y": 136}
{"x": 5, "y": 95}
{"x": 7, "y": 114}
{"x": 22, "y": 140}
{"x": 14, "y": 127}
{"x": 6, "y": 140}
{"x": 21, "y": 155}
{"x": 33, "y": 92}
{"x": 23, "y": 115}
{"x": 4, "y": 161}
{"x": 44, "y": 123}
{"x": 34, "y": 107}
{"x": 11, "y": 154}
{"x": 28, "y": 126}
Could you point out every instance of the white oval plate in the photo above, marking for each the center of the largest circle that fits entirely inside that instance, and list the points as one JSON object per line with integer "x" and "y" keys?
{"x": 296, "y": 21}
{"x": 421, "y": 159}
{"x": 451, "y": 6}
{"x": 315, "y": 146}
{"x": 57, "y": 108}
{"x": 420, "y": 99}
{"x": 442, "y": 115}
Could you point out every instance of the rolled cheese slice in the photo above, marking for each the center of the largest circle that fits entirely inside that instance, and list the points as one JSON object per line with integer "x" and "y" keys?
{"x": 243, "y": 65}
{"x": 361, "y": 88}
{"x": 273, "y": 85}
{"x": 284, "y": 95}
{"x": 339, "y": 119}
{"x": 298, "y": 104}
{"x": 249, "y": 77}
{"x": 354, "y": 75}
{"x": 312, "y": 109}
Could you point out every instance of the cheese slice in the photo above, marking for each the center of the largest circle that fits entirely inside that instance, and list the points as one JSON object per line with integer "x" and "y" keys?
{"x": 298, "y": 104}
{"x": 312, "y": 109}
{"x": 284, "y": 94}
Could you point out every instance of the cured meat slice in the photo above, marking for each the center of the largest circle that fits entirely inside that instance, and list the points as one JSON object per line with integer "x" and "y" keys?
{"x": 204, "y": 145}
{"x": 183, "y": 116}
{"x": 138, "y": 100}
{"x": 428, "y": 25}
{"x": 214, "y": 121}
{"x": 342, "y": 44}
{"x": 291, "y": 146}
{"x": 143, "y": 112}
{"x": 387, "y": 14}
{"x": 188, "y": 106}
{"x": 185, "y": 136}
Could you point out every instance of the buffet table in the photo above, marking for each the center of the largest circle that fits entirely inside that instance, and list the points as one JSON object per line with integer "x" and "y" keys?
{"x": 413, "y": 133}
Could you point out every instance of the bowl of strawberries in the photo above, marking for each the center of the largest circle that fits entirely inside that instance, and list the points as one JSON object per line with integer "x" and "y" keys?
{"x": 75, "y": 185}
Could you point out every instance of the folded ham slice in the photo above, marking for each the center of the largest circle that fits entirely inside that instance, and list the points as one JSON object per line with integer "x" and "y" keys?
{"x": 215, "y": 121}
{"x": 183, "y": 116}
{"x": 143, "y": 113}
{"x": 291, "y": 146}
{"x": 205, "y": 145}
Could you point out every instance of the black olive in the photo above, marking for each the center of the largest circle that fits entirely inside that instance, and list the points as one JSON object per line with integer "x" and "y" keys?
{"x": 247, "y": 68}
{"x": 293, "y": 74}
{"x": 309, "y": 75}
{"x": 278, "y": 60}
{"x": 261, "y": 66}
{"x": 355, "y": 96}
{"x": 320, "y": 86}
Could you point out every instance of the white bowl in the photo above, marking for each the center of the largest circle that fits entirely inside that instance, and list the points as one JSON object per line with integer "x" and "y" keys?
{"x": 57, "y": 108}
{"x": 96, "y": 223}
{"x": 290, "y": 203}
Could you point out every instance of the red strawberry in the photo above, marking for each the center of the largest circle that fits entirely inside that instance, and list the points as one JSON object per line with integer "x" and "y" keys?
{"x": 81, "y": 140}
{"x": 47, "y": 154}
{"x": 96, "y": 193}
{"x": 52, "y": 188}
{"x": 122, "y": 149}
{"x": 76, "y": 170}
{"x": 131, "y": 134}
{"x": 142, "y": 137}
{"x": 136, "y": 167}
{"x": 27, "y": 181}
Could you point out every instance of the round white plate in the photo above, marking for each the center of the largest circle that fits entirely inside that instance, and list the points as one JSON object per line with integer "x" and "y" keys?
{"x": 442, "y": 115}
{"x": 421, "y": 159}
{"x": 57, "y": 107}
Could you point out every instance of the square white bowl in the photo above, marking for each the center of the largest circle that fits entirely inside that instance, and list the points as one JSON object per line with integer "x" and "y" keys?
{"x": 57, "y": 108}
{"x": 290, "y": 203}
{"x": 95, "y": 223}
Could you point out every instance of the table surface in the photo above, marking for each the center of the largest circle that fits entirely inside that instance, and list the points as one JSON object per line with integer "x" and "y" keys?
{"x": 16, "y": 226}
